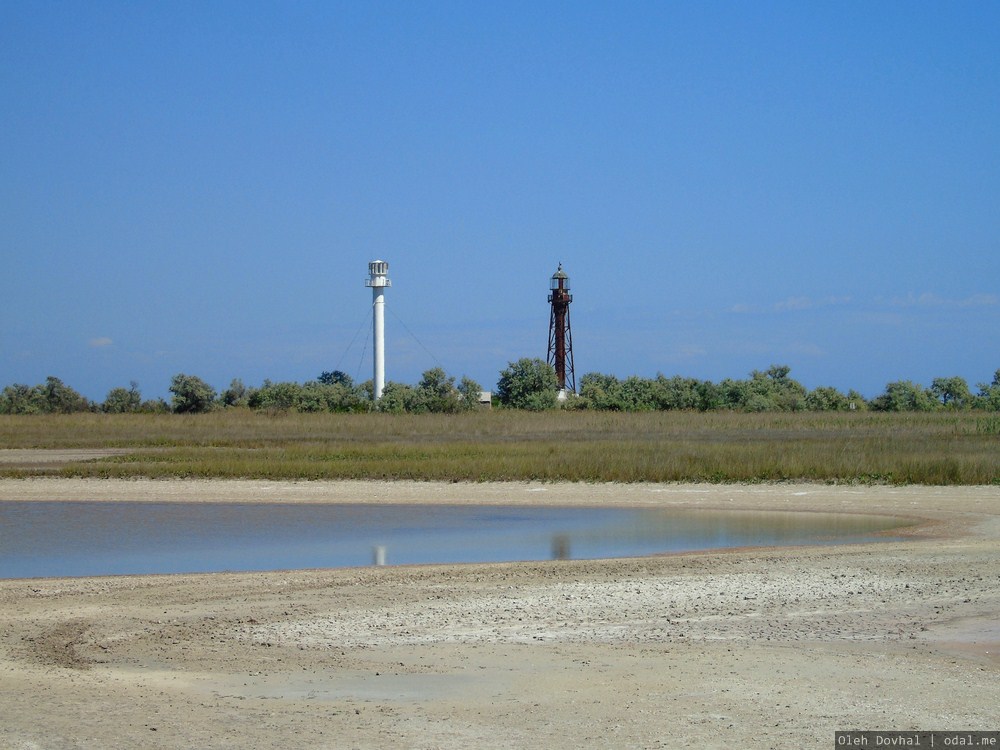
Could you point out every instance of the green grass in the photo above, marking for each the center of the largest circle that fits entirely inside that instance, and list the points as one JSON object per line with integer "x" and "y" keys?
{"x": 938, "y": 448}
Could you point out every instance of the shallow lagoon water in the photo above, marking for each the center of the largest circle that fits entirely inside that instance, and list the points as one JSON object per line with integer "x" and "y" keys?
{"x": 87, "y": 538}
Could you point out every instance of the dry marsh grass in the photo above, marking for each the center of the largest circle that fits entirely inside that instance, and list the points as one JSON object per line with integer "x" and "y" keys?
{"x": 937, "y": 448}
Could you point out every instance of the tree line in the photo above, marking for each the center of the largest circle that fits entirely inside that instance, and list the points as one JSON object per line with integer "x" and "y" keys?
{"x": 528, "y": 384}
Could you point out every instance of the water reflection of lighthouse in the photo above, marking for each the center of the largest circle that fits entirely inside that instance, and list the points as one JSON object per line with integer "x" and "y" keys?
{"x": 560, "y": 547}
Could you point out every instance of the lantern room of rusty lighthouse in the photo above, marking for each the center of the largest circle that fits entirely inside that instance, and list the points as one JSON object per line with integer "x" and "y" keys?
{"x": 560, "y": 335}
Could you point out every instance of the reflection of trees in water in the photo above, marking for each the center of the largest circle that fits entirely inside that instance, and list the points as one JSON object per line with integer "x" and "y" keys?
{"x": 707, "y": 528}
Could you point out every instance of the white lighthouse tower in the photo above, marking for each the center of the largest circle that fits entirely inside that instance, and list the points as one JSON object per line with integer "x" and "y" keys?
{"x": 378, "y": 281}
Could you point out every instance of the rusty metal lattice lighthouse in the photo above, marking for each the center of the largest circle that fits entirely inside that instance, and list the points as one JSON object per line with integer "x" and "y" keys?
{"x": 560, "y": 336}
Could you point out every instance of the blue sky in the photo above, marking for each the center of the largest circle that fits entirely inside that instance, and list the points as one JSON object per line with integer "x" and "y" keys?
{"x": 198, "y": 187}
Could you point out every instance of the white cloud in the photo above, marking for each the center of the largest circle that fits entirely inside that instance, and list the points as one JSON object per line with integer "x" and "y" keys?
{"x": 100, "y": 342}
{"x": 808, "y": 303}
{"x": 795, "y": 303}
{"x": 807, "y": 348}
{"x": 929, "y": 299}
{"x": 792, "y": 304}
{"x": 980, "y": 300}
{"x": 690, "y": 351}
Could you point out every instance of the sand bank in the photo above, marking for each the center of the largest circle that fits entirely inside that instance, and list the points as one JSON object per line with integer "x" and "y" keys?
{"x": 764, "y": 647}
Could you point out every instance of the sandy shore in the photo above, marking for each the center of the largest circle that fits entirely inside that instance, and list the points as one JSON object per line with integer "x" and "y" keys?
{"x": 747, "y": 648}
